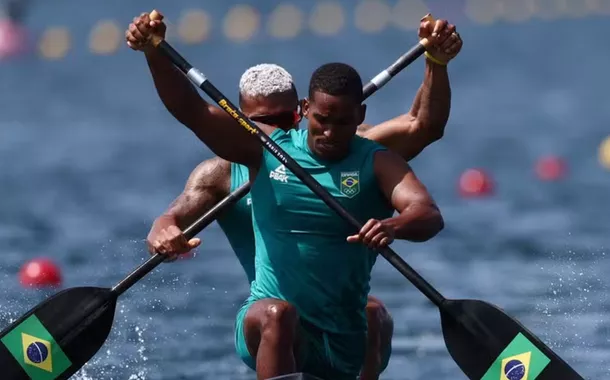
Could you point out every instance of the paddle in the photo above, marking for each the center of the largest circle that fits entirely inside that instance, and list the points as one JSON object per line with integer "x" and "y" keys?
{"x": 73, "y": 324}
{"x": 485, "y": 342}
{"x": 67, "y": 329}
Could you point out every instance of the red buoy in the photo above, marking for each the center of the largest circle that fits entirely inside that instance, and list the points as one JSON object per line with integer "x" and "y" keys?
{"x": 475, "y": 183}
{"x": 39, "y": 273}
{"x": 550, "y": 168}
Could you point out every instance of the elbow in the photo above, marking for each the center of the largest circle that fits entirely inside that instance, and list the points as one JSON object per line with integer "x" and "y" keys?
{"x": 437, "y": 224}
{"x": 430, "y": 224}
{"x": 185, "y": 117}
{"x": 436, "y": 134}
{"x": 431, "y": 130}
{"x": 178, "y": 111}
{"x": 189, "y": 111}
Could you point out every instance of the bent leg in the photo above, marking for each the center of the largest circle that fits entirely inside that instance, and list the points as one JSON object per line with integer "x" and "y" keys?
{"x": 379, "y": 339}
{"x": 269, "y": 334}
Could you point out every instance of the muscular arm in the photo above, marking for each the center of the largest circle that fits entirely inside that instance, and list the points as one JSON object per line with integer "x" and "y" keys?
{"x": 206, "y": 186}
{"x": 219, "y": 131}
{"x": 410, "y": 133}
{"x": 419, "y": 218}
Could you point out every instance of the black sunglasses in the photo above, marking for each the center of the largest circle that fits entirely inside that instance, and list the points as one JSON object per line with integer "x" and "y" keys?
{"x": 282, "y": 119}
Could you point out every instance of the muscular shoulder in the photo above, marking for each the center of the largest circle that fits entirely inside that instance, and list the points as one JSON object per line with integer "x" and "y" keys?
{"x": 390, "y": 163}
{"x": 363, "y": 143}
{"x": 212, "y": 175}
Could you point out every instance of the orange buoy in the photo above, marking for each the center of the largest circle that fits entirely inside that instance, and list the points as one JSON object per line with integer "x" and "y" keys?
{"x": 550, "y": 168}
{"x": 39, "y": 273}
{"x": 475, "y": 183}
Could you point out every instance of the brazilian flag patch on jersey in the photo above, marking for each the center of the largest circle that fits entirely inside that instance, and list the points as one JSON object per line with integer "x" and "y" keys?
{"x": 350, "y": 183}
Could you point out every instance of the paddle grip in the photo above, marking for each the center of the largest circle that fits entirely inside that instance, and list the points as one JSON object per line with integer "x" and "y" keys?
{"x": 154, "y": 16}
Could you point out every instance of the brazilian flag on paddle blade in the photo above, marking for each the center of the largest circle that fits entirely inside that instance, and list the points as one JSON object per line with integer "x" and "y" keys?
{"x": 520, "y": 360}
{"x": 35, "y": 350}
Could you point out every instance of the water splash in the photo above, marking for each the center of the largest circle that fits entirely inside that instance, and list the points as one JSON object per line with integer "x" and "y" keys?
{"x": 574, "y": 305}
{"x": 115, "y": 360}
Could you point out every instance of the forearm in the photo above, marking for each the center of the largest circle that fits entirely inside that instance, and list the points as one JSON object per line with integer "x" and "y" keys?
{"x": 187, "y": 208}
{"x": 417, "y": 222}
{"x": 176, "y": 92}
{"x": 213, "y": 126}
{"x": 179, "y": 219}
{"x": 410, "y": 133}
{"x": 163, "y": 222}
{"x": 432, "y": 103}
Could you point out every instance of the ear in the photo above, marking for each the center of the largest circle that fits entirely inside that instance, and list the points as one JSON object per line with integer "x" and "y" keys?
{"x": 305, "y": 107}
{"x": 362, "y": 114}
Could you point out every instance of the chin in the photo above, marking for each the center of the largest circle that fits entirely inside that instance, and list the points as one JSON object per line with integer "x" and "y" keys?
{"x": 330, "y": 155}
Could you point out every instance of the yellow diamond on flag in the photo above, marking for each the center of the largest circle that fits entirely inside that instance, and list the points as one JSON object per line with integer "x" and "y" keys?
{"x": 350, "y": 182}
{"x": 37, "y": 352}
{"x": 516, "y": 367}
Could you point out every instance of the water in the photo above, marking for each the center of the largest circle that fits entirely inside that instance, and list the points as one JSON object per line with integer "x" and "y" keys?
{"x": 89, "y": 158}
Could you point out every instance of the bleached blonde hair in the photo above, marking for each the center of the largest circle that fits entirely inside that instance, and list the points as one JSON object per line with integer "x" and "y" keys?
{"x": 264, "y": 80}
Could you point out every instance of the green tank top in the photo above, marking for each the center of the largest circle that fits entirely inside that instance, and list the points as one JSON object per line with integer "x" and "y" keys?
{"x": 236, "y": 223}
{"x": 302, "y": 255}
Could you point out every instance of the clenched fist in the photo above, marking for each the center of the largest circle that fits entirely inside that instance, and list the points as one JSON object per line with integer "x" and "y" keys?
{"x": 142, "y": 29}
{"x": 445, "y": 42}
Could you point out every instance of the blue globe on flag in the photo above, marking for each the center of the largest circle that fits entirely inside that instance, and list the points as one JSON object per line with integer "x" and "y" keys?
{"x": 37, "y": 352}
{"x": 514, "y": 370}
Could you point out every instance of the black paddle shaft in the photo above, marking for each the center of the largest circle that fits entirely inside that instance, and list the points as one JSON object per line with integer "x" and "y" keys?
{"x": 206, "y": 86}
{"x": 384, "y": 77}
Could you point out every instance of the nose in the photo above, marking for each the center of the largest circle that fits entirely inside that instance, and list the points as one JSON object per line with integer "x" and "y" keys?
{"x": 328, "y": 133}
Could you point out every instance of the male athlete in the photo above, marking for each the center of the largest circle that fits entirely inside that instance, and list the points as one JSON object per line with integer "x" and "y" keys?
{"x": 306, "y": 309}
{"x": 269, "y": 90}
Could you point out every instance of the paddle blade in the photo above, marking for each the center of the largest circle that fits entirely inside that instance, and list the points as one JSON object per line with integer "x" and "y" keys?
{"x": 487, "y": 344}
{"x": 57, "y": 337}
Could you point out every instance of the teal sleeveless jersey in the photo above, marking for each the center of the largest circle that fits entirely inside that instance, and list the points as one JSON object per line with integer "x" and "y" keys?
{"x": 302, "y": 255}
{"x": 236, "y": 223}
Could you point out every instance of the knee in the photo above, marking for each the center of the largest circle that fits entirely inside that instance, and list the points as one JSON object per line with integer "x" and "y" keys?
{"x": 378, "y": 316}
{"x": 279, "y": 321}
{"x": 375, "y": 313}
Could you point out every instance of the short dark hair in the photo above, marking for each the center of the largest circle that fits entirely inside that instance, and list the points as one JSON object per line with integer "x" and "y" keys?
{"x": 337, "y": 79}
